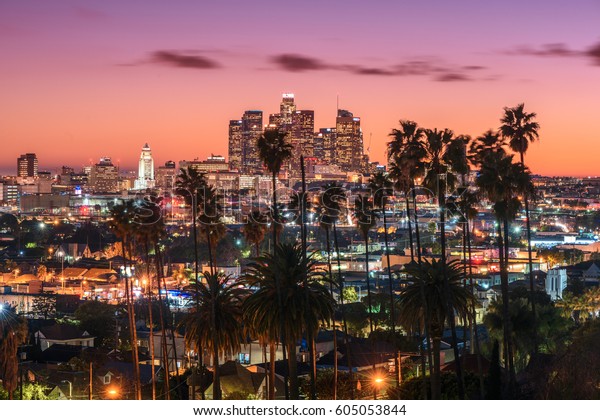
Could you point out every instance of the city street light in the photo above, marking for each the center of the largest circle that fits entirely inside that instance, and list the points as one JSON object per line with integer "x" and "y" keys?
{"x": 61, "y": 254}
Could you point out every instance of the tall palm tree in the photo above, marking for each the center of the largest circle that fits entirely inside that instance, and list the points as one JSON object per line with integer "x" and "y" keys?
{"x": 274, "y": 150}
{"x": 439, "y": 178}
{"x": 433, "y": 275}
{"x": 406, "y": 154}
{"x": 123, "y": 224}
{"x": 489, "y": 143}
{"x": 217, "y": 326}
{"x": 400, "y": 177}
{"x": 13, "y": 333}
{"x": 502, "y": 181}
{"x": 296, "y": 274}
{"x": 190, "y": 184}
{"x": 520, "y": 129}
{"x": 211, "y": 223}
{"x": 365, "y": 218}
{"x": 255, "y": 229}
{"x": 381, "y": 188}
{"x": 332, "y": 207}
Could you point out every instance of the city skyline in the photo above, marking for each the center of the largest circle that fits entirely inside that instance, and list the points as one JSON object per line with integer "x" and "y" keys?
{"x": 82, "y": 80}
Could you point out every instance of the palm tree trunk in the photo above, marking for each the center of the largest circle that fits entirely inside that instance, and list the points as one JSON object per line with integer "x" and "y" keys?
{"x": 159, "y": 262}
{"x": 505, "y": 307}
{"x": 447, "y": 301}
{"x": 272, "y": 351}
{"x": 211, "y": 263}
{"x": 530, "y": 258}
{"x": 335, "y": 359}
{"x": 131, "y": 313}
{"x": 293, "y": 370}
{"x": 310, "y": 335}
{"x": 343, "y": 311}
{"x": 436, "y": 378}
{"x": 366, "y": 236}
{"x": 392, "y": 300}
{"x": 511, "y": 360}
{"x": 474, "y": 315}
{"x": 278, "y": 285}
{"x": 410, "y": 234}
{"x": 196, "y": 286}
{"x": 215, "y": 339}
{"x": 427, "y": 323}
{"x": 151, "y": 341}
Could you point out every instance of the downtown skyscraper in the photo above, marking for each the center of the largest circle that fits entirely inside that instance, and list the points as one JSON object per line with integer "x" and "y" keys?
{"x": 145, "y": 177}
{"x": 341, "y": 145}
{"x": 27, "y": 165}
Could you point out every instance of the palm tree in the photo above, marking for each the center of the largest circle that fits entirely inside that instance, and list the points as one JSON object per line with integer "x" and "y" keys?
{"x": 332, "y": 206}
{"x": 381, "y": 187}
{"x": 217, "y": 326}
{"x": 123, "y": 223}
{"x": 489, "y": 143}
{"x": 520, "y": 129}
{"x": 211, "y": 225}
{"x": 255, "y": 229}
{"x": 433, "y": 275}
{"x": 274, "y": 150}
{"x": 190, "y": 185}
{"x": 365, "y": 218}
{"x": 13, "y": 333}
{"x": 406, "y": 154}
{"x": 441, "y": 147}
{"x": 292, "y": 273}
{"x": 502, "y": 182}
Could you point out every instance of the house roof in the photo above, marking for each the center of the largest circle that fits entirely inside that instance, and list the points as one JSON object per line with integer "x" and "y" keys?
{"x": 60, "y": 353}
{"x": 126, "y": 369}
{"x": 63, "y": 332}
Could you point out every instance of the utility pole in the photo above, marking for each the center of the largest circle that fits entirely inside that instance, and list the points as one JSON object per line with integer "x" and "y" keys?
{"x": 91, "y": 382}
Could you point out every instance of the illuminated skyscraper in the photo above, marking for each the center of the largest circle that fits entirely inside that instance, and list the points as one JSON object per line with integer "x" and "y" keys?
{"x": 286, "y": 109}
{"x": 252, "y": 128}
{"x": 301, "y": 136}
{"x": 349, "y": 141}
{"x": 324, "y": 145}
{"x": 145, "y": 177}
{"x": 235, "y": 144}
{"x": 27, "y": 165}
{"x": 104, "y": 177}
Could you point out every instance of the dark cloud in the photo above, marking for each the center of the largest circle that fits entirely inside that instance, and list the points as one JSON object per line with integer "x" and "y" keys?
{"x": 298, "y": 63}
{"x": 546, "y": 50}
{"x": 427, "y": 67}
{"x": 594, "y": 53}
{"x": 452, "y": 77}
{"x": 371, "y": 71}
{"x": 185, "y": 60}
{"x": 559, "y": 50}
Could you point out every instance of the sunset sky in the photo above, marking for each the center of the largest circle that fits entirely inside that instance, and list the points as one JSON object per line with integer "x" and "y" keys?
{"x": 85, "y": 79}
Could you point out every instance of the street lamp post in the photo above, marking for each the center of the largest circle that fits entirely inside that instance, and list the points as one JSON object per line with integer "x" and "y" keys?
{"x": 61, "y": 254}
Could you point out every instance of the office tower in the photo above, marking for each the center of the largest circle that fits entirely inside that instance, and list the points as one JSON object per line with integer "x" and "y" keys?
{"x": 235, "y": 144}
{"x": 301, "y": 136}
{"x": 324, "y": 145}
{"x": 145, "y": 175}
{"x": 104, "y": 177}
{"x": 286, "y": 109}
{"x": 166, "y": 176}
{"x": 349, "y": 142}
{"x": 252, "y": 128}
{"x": 27, "y": 165}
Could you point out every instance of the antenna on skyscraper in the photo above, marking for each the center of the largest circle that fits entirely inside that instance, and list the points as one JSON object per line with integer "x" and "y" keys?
{"x": 337, "y": 103}
{"x": 369, "y": 146}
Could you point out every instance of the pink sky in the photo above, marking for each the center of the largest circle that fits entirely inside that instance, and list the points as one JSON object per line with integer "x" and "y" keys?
{"x": 85, "y": 79}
